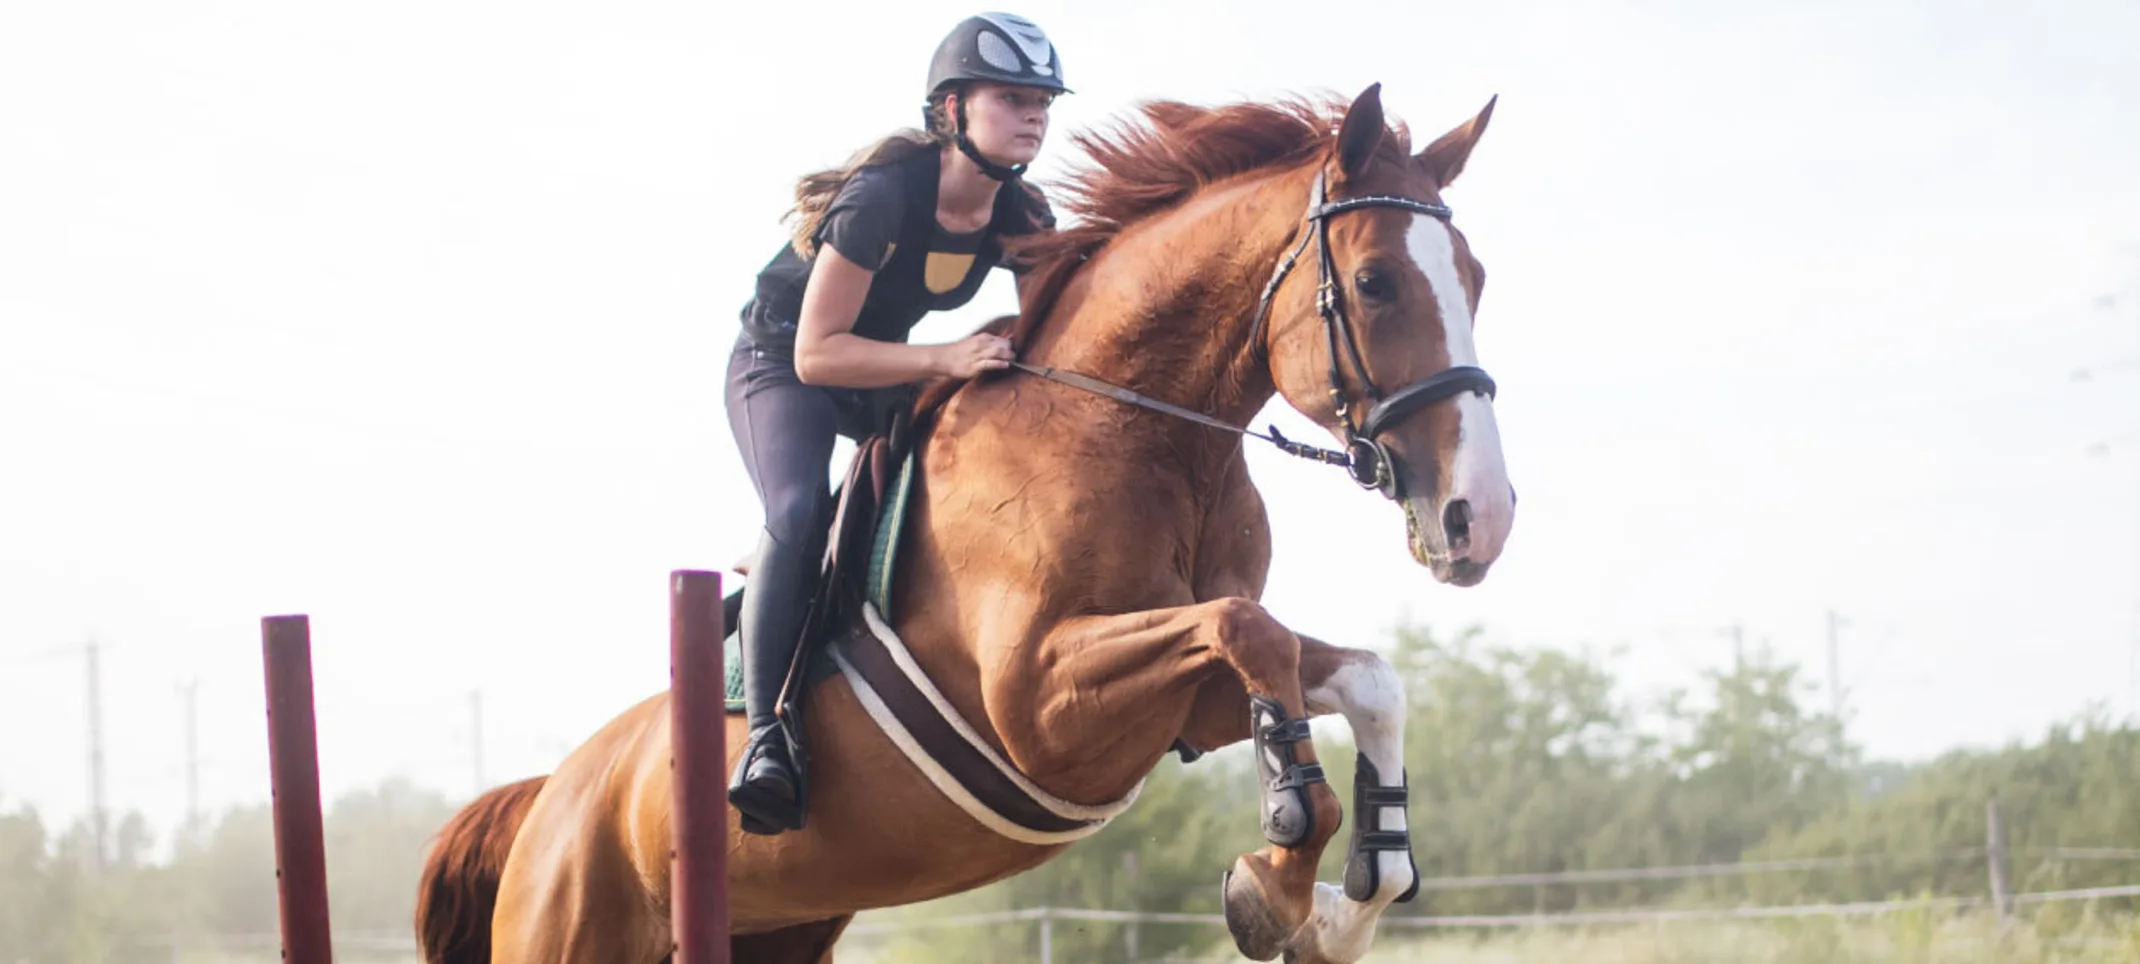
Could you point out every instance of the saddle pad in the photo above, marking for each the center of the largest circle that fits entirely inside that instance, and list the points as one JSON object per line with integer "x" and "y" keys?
{"x": 884, "y": 553}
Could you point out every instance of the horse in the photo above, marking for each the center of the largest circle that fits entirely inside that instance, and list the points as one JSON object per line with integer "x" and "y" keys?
{"x": 1078, "y": 592}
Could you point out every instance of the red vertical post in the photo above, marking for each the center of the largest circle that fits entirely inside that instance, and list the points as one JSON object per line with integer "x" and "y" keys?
{"x": 293, "y": 765}
{"x": 698, "y": 740}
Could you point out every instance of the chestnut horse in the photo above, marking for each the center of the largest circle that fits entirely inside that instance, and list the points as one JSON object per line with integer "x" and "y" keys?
{"x": 1082, "y": 561}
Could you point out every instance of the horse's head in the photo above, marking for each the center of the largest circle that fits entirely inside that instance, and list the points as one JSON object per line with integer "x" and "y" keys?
{"x": 1390, "y": 328}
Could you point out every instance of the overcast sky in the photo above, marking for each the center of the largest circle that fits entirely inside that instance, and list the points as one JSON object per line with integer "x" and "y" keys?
{"x": 412, "y": 317}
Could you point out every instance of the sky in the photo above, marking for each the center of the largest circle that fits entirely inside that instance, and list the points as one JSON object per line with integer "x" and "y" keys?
{"x": 411, "y": 317}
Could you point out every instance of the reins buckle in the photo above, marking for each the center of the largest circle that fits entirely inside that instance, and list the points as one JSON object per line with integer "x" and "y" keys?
{"x": 1369, "y": 465}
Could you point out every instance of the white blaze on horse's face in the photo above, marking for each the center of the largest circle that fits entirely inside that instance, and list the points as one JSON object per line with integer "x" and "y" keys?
{"x": 1473, "y": 507}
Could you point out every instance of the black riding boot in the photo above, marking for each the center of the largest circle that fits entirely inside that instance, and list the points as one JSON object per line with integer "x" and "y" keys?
{"x": 766, "y": 787}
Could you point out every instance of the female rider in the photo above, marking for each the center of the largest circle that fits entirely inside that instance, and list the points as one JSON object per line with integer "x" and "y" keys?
{"x": 911, "y": 225}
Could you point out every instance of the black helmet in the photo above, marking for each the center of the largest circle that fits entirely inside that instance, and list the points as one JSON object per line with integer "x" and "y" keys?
{"x": 1001, "y": 47}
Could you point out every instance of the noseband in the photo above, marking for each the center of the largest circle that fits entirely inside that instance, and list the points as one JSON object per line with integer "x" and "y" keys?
{"x": 1364, "y": 456}
{"x": 1366, "y": 459}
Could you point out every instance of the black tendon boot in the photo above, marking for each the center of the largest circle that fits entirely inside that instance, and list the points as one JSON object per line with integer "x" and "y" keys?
{"x": 766, "y": 786}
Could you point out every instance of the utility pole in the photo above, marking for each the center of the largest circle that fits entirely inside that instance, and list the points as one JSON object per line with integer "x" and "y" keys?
{"x": 475, "y": 736}
{"x": 96, "y": 760}
{"x": 190, "y": 692}
{"x": 1835, "y": 666}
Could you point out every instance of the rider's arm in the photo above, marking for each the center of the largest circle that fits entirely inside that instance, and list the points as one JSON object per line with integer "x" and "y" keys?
{"x": 828, "y": 352}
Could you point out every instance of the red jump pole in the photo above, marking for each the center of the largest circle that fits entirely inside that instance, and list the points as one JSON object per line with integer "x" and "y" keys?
{"x": 698, "y": 905}
{"x": 293, "y": 764}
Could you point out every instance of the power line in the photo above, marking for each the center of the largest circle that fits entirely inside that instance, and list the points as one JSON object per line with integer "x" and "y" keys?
{"x": 2102, "y": 447}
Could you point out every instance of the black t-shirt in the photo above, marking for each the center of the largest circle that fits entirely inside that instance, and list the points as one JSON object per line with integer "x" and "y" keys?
{"x": 884, "y": 218}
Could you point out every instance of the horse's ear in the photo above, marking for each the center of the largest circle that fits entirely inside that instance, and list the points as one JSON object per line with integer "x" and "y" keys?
{"x": 1361, "y": 132}
{"x": 1444, "y": 159}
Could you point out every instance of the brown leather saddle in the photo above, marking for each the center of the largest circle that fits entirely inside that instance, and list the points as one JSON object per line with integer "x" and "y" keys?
{"x": 858, "y": 506}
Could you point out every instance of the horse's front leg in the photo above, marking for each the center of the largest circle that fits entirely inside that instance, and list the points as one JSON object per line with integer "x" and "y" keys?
{"x": 1102, "y": 671}
{"x": 1379, "y": 869}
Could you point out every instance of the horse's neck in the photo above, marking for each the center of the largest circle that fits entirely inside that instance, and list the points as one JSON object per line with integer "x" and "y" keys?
{"x": 1169, "y": 307}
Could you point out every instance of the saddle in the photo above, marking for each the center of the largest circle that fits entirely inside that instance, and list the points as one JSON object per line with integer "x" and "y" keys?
{"x": 856, "y": 565}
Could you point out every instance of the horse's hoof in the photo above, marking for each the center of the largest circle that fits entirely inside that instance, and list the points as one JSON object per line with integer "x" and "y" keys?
{"x": 1257, "y": 931}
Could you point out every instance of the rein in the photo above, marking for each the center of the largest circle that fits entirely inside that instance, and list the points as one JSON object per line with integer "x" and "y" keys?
{"x": 1118, "y": 393}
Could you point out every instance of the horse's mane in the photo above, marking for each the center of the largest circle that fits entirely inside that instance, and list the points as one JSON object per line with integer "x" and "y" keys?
{"x": 1149, "y": 162}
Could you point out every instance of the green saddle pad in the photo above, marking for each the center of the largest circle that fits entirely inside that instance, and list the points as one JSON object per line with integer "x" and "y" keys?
{"x": 883, "y": 552}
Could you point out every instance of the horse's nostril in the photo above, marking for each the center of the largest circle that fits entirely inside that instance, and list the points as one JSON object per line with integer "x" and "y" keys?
{"x": 1456, "y": 524}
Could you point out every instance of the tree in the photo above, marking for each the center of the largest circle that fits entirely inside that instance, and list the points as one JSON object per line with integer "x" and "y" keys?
{"x": 25, "y": 891}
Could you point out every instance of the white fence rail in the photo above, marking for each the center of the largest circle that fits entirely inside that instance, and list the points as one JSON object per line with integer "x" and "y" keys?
{"x": 1571, "y": 918}
{"x": 399, "y": 943}
{"x": 1686, "y": 872}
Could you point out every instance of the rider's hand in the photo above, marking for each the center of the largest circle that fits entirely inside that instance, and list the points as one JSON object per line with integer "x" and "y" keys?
{"x": 975, "y": 354}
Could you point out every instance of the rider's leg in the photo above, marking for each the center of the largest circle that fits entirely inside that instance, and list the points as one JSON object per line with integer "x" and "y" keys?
{"x": 784, "y": 430}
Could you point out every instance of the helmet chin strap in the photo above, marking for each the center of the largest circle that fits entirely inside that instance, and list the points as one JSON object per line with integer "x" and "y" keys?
{"x": 990, "y": 168}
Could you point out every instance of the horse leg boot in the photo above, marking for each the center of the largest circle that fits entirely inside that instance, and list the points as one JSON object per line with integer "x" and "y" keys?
{"x": 765, "y": 787}
{"x": 1160, "y": 659}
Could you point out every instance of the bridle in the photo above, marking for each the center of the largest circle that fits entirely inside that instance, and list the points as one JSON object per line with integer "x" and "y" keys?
{"x": 1364, "y": 456}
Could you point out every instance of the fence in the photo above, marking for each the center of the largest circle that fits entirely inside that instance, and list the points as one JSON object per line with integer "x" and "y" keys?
{"x": 700, "y": 868}
{"x": 1998, "y": 897}
{"x": 699, "y": 860}
{"x": 400, "y": 947}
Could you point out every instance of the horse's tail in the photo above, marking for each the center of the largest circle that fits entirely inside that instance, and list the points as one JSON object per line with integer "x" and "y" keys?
{"x": 459, "y": 885}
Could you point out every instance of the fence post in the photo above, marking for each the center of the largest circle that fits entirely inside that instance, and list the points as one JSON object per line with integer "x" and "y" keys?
{"x": 1129, "y": 886}
{"x": 698, "y": 740}
{"x": 294, "y": 787}
{"x": 2002, "y": 896}
{"x": 1047, "y": 935}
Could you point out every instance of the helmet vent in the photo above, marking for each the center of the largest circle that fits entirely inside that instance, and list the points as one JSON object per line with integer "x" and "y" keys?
{"x": 995, "y": 53}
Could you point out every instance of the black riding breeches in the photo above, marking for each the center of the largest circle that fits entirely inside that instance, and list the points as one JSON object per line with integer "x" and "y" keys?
{"x": 785, "y": 431}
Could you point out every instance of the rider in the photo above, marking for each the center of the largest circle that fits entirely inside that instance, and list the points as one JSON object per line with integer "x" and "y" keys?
{"x": 911, "y": 225}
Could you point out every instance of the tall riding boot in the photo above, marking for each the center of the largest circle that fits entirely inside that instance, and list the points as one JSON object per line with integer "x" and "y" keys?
{"x": 765, "y": 786}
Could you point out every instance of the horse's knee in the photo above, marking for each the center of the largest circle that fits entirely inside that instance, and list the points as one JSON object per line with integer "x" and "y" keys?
{"x": 1253, "y": 640}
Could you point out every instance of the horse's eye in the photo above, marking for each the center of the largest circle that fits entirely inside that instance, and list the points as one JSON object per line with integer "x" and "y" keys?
{"x": 1374, "y": 285}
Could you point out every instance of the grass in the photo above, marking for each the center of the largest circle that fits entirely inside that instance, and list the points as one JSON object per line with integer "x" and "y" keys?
{"x": 2063, "y": 933}
{"x": 2053, "y": 934}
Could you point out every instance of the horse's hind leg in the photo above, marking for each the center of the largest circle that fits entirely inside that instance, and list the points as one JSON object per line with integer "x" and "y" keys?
{"x": 1158, "y": 654}
{"x": 569, "y": 893}
{"x": 800, "y": 944}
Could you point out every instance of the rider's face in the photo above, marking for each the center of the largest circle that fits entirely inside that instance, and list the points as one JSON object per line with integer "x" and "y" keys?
{"x": 1008, "y": 124}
